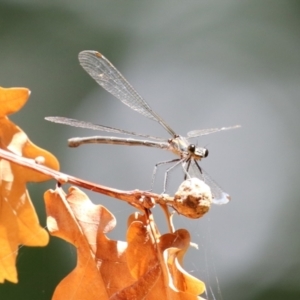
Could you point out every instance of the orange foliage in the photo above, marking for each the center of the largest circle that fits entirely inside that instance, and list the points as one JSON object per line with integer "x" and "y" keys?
{"x": 18, "y": 220}
{"x": 147, "y": 266}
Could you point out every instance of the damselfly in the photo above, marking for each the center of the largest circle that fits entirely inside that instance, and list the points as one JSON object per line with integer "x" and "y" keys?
{"x": 106, "y": 75}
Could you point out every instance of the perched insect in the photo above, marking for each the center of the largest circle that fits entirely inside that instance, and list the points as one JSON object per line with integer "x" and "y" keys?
{"x": 106, "y": 75}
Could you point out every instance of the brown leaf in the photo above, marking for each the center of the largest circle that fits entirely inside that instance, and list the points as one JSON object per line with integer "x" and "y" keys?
{"x": 146, "y": 267}
{"x": 18, "y": 220}
{"x": 147, "y": 249}
{"x": 101, "y": 267}
{"x": 12, "y": 100}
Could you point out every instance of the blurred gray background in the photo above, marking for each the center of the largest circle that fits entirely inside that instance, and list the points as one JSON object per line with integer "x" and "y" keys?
{"x": 199, "y": 64}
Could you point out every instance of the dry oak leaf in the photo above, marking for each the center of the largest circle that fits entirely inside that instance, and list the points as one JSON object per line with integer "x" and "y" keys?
{"x": 142, "y": 268}
{"x": 148, "y": 251}
{"x": 19, "y": 223}
{"x": 101, "y": 263}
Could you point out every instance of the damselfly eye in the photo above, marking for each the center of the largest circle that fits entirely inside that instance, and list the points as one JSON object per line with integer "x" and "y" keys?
{"x": 206, "y": 152}
{"x": 192, "y": 148}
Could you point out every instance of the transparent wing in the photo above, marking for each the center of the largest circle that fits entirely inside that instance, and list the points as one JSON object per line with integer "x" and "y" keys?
{"x": 196, "y": 133}
{"x": 219, "y": 196}
{"x": 88, "y": 125}
{"x": 106, "y": 75}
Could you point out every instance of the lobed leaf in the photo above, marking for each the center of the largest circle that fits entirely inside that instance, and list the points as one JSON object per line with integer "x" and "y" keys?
{"x": 147, "y": 266}
{"x": 19, "y": 224}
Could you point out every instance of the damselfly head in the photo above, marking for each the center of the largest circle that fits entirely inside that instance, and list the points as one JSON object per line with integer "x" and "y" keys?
{"x": 197, "y": 152}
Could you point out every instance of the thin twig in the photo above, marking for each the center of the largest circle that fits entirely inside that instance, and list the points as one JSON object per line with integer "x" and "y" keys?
{"x": 137, "y": 198}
